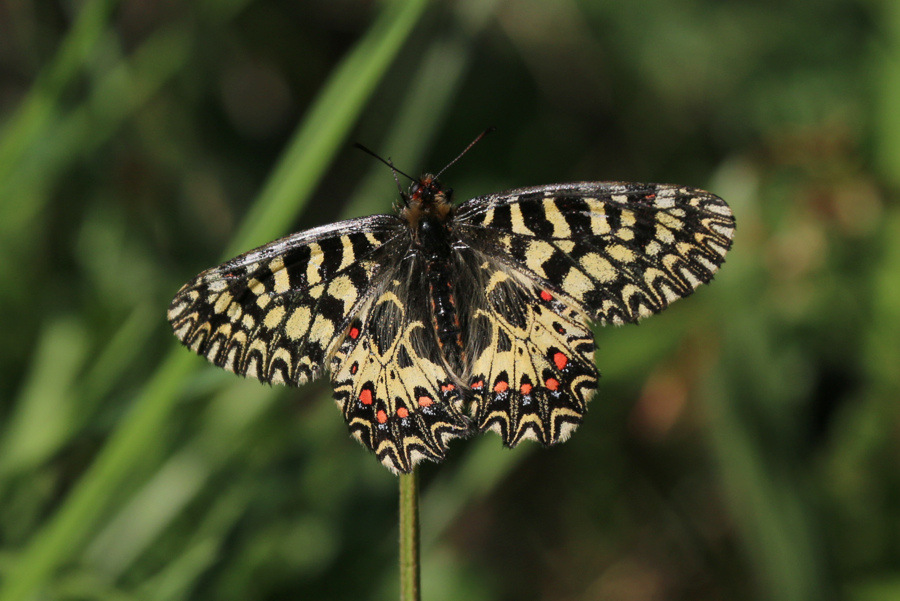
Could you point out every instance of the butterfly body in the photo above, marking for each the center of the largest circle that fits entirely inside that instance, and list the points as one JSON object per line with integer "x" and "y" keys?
{"x": 443, "y": 321}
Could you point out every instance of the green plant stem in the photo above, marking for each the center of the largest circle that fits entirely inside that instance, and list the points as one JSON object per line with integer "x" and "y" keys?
{"x": 409, "y": 537}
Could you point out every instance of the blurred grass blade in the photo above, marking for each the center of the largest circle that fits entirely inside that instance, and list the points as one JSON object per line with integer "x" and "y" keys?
{"x": 887, "y": 134}
{"x": 325, "y": 127}
{"x": 767, "y": 506}
{"x": 426, "y": 102}
{"x": 147, "y": 512}
{"x": 43, "y": 415}
{"x": 174, "y": 485}
{"x": 38, "y": 107}
{"x": 61, "y": 538}
{"x": 186, "y": 569}
{"x": 116, "y": 97}
{"x": 122, "y": 351}
{"x": 312, "y": 148}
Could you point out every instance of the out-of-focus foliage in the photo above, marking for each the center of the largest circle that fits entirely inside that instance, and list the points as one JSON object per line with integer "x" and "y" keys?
{"x": 745, "y": 444}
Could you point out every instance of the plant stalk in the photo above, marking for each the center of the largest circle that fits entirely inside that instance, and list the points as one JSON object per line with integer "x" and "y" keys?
{"x": 409, "y": 537}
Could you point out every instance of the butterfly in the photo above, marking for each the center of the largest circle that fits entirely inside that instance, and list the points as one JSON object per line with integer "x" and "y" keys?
{"x": 445, "y": 320}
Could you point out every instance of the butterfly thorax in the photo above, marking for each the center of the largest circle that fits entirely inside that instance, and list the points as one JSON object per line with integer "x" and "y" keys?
{"x": 428, "y": 213}
{"x": 427, "y": 200}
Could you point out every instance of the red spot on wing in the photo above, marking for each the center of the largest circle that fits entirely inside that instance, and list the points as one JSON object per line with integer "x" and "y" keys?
{"x": 354, "y": 368}
{"x": 500, "y": 386}
{"x": 525, "y": 388}
{"x": 448, "y": 387}
{"x": 560, "y": 361}
{"x": 381, "y": 416}
{"x": 546, "y": 296}
{"x": 402, "y": 411}
{"x": 365, "y": 397}
{"x": 425, "y": 401}
{"x": 478, "y": 385}
{"x": 650, "y": 196}
{"x": 354, "y": 333}
{"x": 552, "y": 383}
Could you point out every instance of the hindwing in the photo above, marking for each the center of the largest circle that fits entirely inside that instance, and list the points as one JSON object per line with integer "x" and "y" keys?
{"x": 390, "y": 381}
{"x": 531, "y": 369}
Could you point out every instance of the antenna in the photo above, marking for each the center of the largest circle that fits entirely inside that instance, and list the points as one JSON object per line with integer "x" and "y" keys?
{"x": 385, "y": 161}
{"x": 466, "y": 149}
{"x": 394, "y": 170}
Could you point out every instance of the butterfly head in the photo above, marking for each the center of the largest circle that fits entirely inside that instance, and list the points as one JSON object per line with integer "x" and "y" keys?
{"x": 427, "y": 198}
{"x": 428, "y": 191}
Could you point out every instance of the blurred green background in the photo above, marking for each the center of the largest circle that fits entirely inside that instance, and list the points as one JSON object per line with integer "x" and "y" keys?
{"x": 745, "y": 444}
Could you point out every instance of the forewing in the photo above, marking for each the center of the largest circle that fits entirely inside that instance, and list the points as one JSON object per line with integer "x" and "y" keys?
{"x": 390, "y": 381}
{"x": 619, "y": 251}
{"x": 277, "y": 312}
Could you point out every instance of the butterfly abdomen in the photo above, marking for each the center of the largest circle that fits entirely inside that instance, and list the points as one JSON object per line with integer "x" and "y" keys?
{"x": 437, "y": 251}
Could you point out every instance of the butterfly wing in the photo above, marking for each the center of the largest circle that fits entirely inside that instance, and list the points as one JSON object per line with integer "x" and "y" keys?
{"x": 278, "y": 312}
{"x": 619, "y": 251}
{"x": 531, "y": 358}
{"x": 390, "y": 380}
{"x": 557, "y": 258}
{"x": 341, "y": 296}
